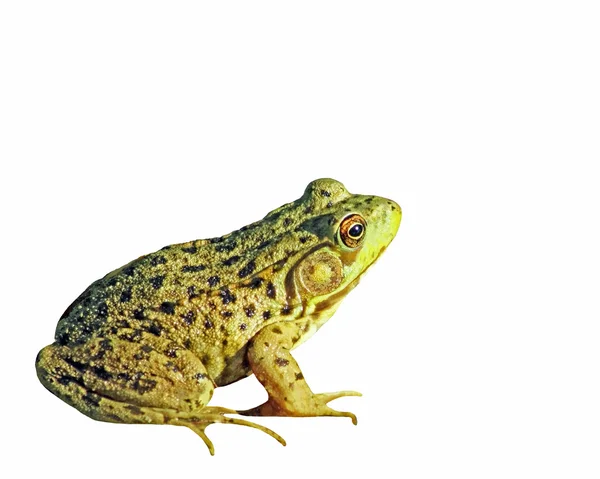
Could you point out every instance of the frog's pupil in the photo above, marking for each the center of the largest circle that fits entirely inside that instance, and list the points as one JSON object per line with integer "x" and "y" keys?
{"x": 356, "y": 230}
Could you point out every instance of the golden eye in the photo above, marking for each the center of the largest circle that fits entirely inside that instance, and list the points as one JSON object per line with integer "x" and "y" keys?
{"x": 352, "y": 230}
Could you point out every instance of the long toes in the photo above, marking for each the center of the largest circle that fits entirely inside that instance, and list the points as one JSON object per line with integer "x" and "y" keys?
{"x": 350, "y": 415}
{"x": 200, "y": 431}
{"x": 327, "y": 397}
{"x": 333, "y": 412}
{"x": 243, "y": 422}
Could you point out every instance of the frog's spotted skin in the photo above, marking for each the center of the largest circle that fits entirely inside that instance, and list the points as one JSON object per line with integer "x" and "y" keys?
{"x": 150, "y": 341}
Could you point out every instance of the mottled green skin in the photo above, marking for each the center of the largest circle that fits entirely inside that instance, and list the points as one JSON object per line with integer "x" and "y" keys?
{"x": 148, "y": 342}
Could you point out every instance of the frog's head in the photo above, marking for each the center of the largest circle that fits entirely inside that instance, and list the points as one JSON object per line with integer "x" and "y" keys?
{"x": 349, "y": 232}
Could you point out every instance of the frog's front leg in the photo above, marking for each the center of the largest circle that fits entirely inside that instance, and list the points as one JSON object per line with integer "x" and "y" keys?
{"x": 289, "y": 394}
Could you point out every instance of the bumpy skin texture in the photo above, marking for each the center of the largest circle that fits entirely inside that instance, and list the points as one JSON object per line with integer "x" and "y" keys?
{"x": 149, "y": 342}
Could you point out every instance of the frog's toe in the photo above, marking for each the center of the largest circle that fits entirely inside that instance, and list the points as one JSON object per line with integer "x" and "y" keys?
{"x": 328, "y": 397}
{"x": 352, "y": 416}
{"x": 212, "y": 415}
{"x": 199, "y": 429}
{"x": 324, "y": 398}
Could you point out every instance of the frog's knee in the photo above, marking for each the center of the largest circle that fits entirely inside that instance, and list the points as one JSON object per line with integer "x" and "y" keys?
{"x": 47, "y": 366}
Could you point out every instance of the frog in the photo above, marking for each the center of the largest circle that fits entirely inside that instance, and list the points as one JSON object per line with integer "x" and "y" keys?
{"x": 149, "y": 342}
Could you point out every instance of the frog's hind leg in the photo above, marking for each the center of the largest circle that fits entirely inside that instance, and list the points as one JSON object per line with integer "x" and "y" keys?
{"x": 136, "y": 379}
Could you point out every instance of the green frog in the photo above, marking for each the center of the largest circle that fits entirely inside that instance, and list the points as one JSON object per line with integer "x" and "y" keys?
{"x": 149, "y": 342}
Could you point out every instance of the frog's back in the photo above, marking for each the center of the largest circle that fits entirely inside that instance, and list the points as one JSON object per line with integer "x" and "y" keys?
{"x": 155, "y": 293}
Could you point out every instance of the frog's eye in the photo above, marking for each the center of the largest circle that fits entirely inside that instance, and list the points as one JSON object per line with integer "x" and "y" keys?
{"x": 352, "y": 230}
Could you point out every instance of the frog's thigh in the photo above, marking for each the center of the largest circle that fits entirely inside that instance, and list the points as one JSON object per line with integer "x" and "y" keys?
{"x": 149, "y": 380}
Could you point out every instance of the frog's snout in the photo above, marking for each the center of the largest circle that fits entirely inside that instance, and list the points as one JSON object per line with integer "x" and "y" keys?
{"x": 391, "y": 215}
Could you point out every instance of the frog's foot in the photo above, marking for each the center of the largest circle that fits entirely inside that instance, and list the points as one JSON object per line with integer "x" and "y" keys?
{"x": 315, "y": 406}
{"x": 212, "y": 415}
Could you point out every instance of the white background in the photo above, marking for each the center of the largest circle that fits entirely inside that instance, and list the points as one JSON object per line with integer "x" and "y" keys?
{"x": 126, "y": 126}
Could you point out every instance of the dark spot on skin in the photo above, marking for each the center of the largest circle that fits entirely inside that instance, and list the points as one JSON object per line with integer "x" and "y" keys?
{"x": 166, "y": 247}
{"x": 171, "y": 352}
{"x": 102, "y": 310}
{"x": 143, "y": 385}
{"x": 286, "y": 310}
{"x": 106, "y": 345}
{"x": 226, "y": 296}
{"x": 264, "y": 244}
{"x": 226, "y": 314}
{"x": 193, "y": 292}
{"x": 129, "y": 271}
{"x": 146, "y": 348}
{"x": 224, "y": 342}
{"x": 216, "y": 240}
{"x": 308, "y": 210}
{"x": 190, "y": 249}
{"x": 157, "y": 281}
{"x": 304, "y": 239}
{"x": 368, "y": 200}
{"x": 266, "y": 315}
{"x": 247, "y": 270}
{"x": 281, "y": 362}
{"x": 331, "y": 220}
{"x": 255, "y": 283}
{"x": 113, "y": 281}
{"x": 277, "y": 330}
{"x": 200, "y": 376}
{"x": 102, "y": 373}
{"x": 243, "y": 326}
{"x": 299, "y": 376}
{"x": 280, "y": 264}
{"x": 225, "y": 247}
{"x": 213, "y": 281}
{"x": 193, "y": 269}
{"x": 171, "y": 366}
{"x": 62, "y": 339}
{"x": 329, "y": 204}
{"x": 168, "y": 307}
{"x": 208, "y": 324}
{"x": 131, "y": 336}
{"x": 126, "y": 296}
{"x": 134, "y": 409}
{"x": 231, "y": 260}
{"x": 91, "y": 399}
{"x": 325, "y": 193}
{"x": 189, "y": 317}
{"x": 154, "y": 328}
{"x": 249, "y": 227}
{"x": 138, "y": 314}
{"x": 270, "y": 290}
{"x": 81, "y": 367}
{"x": 187, "y": 343}
{"x": 250, "y": 310}
{"x": 287, "y": 222}
{"x": 66, "y": 380}
{"x": 158, "y": 260}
